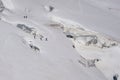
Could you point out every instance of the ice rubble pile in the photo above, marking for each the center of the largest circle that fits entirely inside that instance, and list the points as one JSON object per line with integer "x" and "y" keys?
{"x": 85, "y": 37}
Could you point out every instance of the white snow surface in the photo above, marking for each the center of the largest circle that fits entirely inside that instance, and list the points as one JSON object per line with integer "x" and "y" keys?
{"x": 34, "y": 45}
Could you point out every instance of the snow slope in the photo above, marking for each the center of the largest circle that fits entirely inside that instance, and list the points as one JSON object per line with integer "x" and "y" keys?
{"x": 39, "y": 49}
{"x": 56, "y": 59}
{"x": 85, "y": 12}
